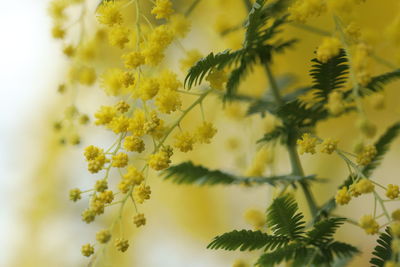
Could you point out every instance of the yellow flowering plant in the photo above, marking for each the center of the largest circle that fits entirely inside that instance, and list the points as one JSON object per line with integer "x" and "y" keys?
{"x": 156, "y": 88}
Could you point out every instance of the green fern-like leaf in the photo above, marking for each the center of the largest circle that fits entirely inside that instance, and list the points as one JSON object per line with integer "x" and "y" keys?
{"x": 188, "y": 173}
{"x": 377, "y": 83}
{"x": 283, "y": 219}
{"x": 383, "y": 250}
{"x": 323, "y": 231}
{"x": 382, "y": 146}
{"x": 278, "y": 133}
{"x": 197, "y": 72}
{"x": 247, "y": 240}
{"x": 296, "y": 251}
{"x": 329, "y": 76}
{"x": 335, "y": 249}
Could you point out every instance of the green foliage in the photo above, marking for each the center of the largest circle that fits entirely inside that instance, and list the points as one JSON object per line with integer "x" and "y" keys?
{"x": 278, "y": 133}
{"x": 383, "y": 250}
{"x": 329, "y": 76}
{"x": 283, "y": 218}
{"x": 258, "y": 47}
{"x": 324, "y": 230}
{"x": 382, "y": 146}
{"x": 247, "y": 240}
{"x": 188, "y": 173}
{"x": 378, "y": 82}
{"x": 288, "y": 240}
{"x": 220, "y": 60}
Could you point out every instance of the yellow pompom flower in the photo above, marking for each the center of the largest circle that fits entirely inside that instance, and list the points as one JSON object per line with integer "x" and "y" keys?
{"x": 307, "y": 144}
{"x": 87, "y": 250}
{"x": 168, "y": 80}
{"x": 75, "y": 194}
{"x": 217, "y": 79}
{"x": 122, "y": 106}
{"x": 367, "y": 154}
{"x": 263, "y": 157}
{"x": 121, "y": 244}
{"x": 159, "y": 160}
{"x": 184, "y": 141}
{"x": 329, "y": 48}
{"x": 141, "y": 193}
{"x": 57, "y": 9}
{"x": 69, "y": 50}
{"x": 180, "y": 25}
{"x": 168, "y": 101}
{"x": 137, "y": 123}
{"x": 342, "y": 196}
{"x": 239, "y": 263}
{"x": 192, "y": 56}
{"x": 364, "y": 186}
{"x": 256, "y": 218}
{"x": 103, "y": 236}
{"x": 96, "y": 164}
{"x": 118, "y": 36}
{"x": 101, "y": 185}
{"x": 134, "y": 143}
{"x": 148, "y": 88}
{"x": 335, "y": 103}
{"x": 119, "y": 124}
{"x": 112, "y": 81}
{"x": 133, "y": 60}
{"x": 87, "y": 76}
{"x": 108, "y": 13}
{"x": 162, "y": 9}
{"x": 58, "y": 32}
{"x": 88, "y": 215}
{"x": 396, "y": 215}
{"x": 162, "y": 35}
{"x": 105, "y": 115}
{"x": 329, "y": 145}
{"x": 153, "y": 54}
{"x": 107, "y": 196}
{"x": 119, "y": 160}
{"x": 87, "y": 51}
{"x": 392, "y": 191}
{"x": 133, "y": 175}
{"x": 91, "y": 152}
{"x": 301, "y": 10}
{"x": 205, "y": 132}
{"x": 395, "y": 229}
{"x": 369, "y": 224}
{"x": 139, "y": 220}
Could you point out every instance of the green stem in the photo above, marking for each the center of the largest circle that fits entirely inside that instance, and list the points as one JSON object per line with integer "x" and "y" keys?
{"x": 295, "y": 162}
{"x": 273, "y": 85}
{"x": 192, "y": 7}
{"x": 248, "y": 4}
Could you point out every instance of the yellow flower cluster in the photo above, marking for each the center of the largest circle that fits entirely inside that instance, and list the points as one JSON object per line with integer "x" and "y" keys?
{"x": 121, "y": 244}
{"x": 367, "y": 154}
{"x": 329, "y": 48}
{"x": 362, "y": 64}
{"x": 302, "y": 10}
{"x": 369, "y": 224}
{"x": 139, "y": 220}
{"x": 217, "y": 79}
{"x": 141, "y": 192}
{"x": 329, "y": 145}
{"x": 335, "y": 103}
{"x": 95, "y": 157}
{"x": 108, "y": 13}
{"x": 87, "y": 250}
{"x": 130, "y": 178}
{"x": 307, "y": 144}
{"x": 392, "y": 191}
{"x": 103, "y": 236}
{"x": 160, "y": 160}
{"x": 364, "y": 186}
{"x": 256, "y": 218}
{"x": 343, "y": 197}
{"x": 162, "y": 9}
